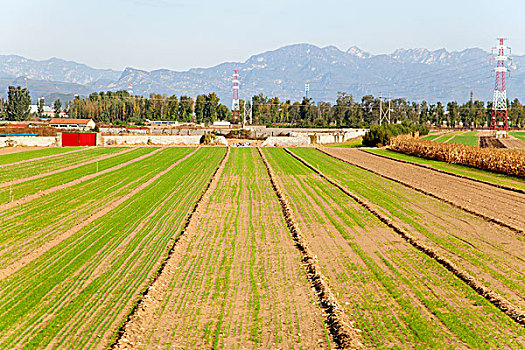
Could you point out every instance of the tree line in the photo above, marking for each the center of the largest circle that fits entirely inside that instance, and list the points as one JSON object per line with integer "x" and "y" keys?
{"x": 120, "y": 108}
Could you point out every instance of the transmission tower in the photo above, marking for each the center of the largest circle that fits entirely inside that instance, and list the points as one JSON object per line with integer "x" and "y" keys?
{"x": 384, "y": 114}
{"x": 236, "y": 110}
{"x": 499, "y": 124}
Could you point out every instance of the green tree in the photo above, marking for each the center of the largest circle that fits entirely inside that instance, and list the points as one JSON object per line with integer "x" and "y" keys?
{"x": 172, "y": 108}
{"x": 453, "y": 113}
{"x": 18, "y": 103}
{"x": 211, "y": 107}
{"x": 224, "y": 113}
{"x": 185, "y": 109}
{"x": 57, "y": 107}
{"x": 40, "y": 107}
{"x": 200, "y": 105}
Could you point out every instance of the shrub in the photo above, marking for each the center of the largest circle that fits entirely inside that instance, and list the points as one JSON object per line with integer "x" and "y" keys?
{"x": 207, "y": 139}
{"x": 380, "y": 135}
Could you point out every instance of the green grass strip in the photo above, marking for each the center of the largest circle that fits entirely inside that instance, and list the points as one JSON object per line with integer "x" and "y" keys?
{"x": 37, "y": 167}
{"x": 23, "y": 189}
{"x": 25, "y": 155}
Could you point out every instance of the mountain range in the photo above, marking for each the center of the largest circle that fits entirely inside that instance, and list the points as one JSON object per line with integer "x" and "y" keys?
{"x": 414, "y": 74}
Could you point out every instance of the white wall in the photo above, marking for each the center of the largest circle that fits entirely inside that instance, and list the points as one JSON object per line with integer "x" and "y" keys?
{"x": 286, "y": 141}
{"x": 157, "y": 140}
{"x": 29, "y": 141}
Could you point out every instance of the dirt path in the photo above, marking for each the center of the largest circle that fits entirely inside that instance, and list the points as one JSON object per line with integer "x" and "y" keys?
{"x": 11, "y": 150}
{"x": 25, "y": 260}
{"x": 44, "y": 157}
{"x": 390, "y": 290}
{"x": 233, "y": 279}
{"x": 38, "y": 176}
{"x": 493, "y": 204}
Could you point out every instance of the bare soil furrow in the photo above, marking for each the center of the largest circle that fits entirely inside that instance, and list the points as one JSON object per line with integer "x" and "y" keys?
{"x": 497, "y": 300}
{"x": 426, "y": 166}
{"x": 25, "y": 260}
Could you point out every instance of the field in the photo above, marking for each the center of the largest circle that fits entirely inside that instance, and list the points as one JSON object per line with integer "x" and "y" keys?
{"x": 466, "y": 138}
{"x": 518, "y": 134}
{"x": 473, "y": 173}
{"x": 272, "y": 248}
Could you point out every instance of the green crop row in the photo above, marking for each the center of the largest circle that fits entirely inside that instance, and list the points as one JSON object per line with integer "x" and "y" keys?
{"x": 43, "y": 219}
{"x": 25, "y": 155}
{"x": 76, "y": 294}
{"x": 479, "y": 253}
{"x": 447, "y": 136}
{"x": 41, "y": 166}
{"x": 430, "y": 137}
{"x": 20, "y": 190}
{"x": 518, "y": 134}
{"x": 479, "y": 174}
{"x": 469, "y": 138}
{"x": 236, "y": 283}
{"x": 396, "y": 295}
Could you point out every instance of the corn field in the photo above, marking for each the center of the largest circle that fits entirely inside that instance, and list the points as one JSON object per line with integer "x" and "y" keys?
{"x": 510, "y": 162}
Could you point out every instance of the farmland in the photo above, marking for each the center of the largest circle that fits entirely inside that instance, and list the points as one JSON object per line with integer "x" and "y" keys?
{"x": 466, "y": 138}
{"x": 232, "y": 248}
{"x": 473, "y": 173}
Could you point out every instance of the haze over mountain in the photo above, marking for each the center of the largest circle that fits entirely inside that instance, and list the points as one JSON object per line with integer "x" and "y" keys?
{"x": 414, "y": 74}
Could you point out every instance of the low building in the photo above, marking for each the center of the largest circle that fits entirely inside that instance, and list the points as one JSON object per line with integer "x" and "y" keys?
{"x": 221, "y": 124}
{"x": 47, "y": 112}
{"x": 137, "y": 129}
{"x": 162, "y": 122}
{"x": 72, "y": 124}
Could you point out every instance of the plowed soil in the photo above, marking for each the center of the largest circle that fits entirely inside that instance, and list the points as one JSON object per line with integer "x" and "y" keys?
{"x": 505, "y": 206}
{"x": 513, "y": 143}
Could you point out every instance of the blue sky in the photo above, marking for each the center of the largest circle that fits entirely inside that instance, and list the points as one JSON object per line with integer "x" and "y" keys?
{"x": 180, "y": 34}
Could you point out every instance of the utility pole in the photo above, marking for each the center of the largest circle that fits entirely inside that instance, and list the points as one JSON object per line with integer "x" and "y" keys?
{"x": 251, "y": 111}
{"x": 244, "y": 114}
{"x": 499, "y": 124}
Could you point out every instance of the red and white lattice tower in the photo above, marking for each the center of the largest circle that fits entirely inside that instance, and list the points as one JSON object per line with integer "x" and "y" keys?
{"x": 499, "y": 123}
{"x": 236, "y": 107}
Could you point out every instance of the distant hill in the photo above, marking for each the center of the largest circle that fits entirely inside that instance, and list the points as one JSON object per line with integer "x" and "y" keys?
{"x": 415, "y": 74}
